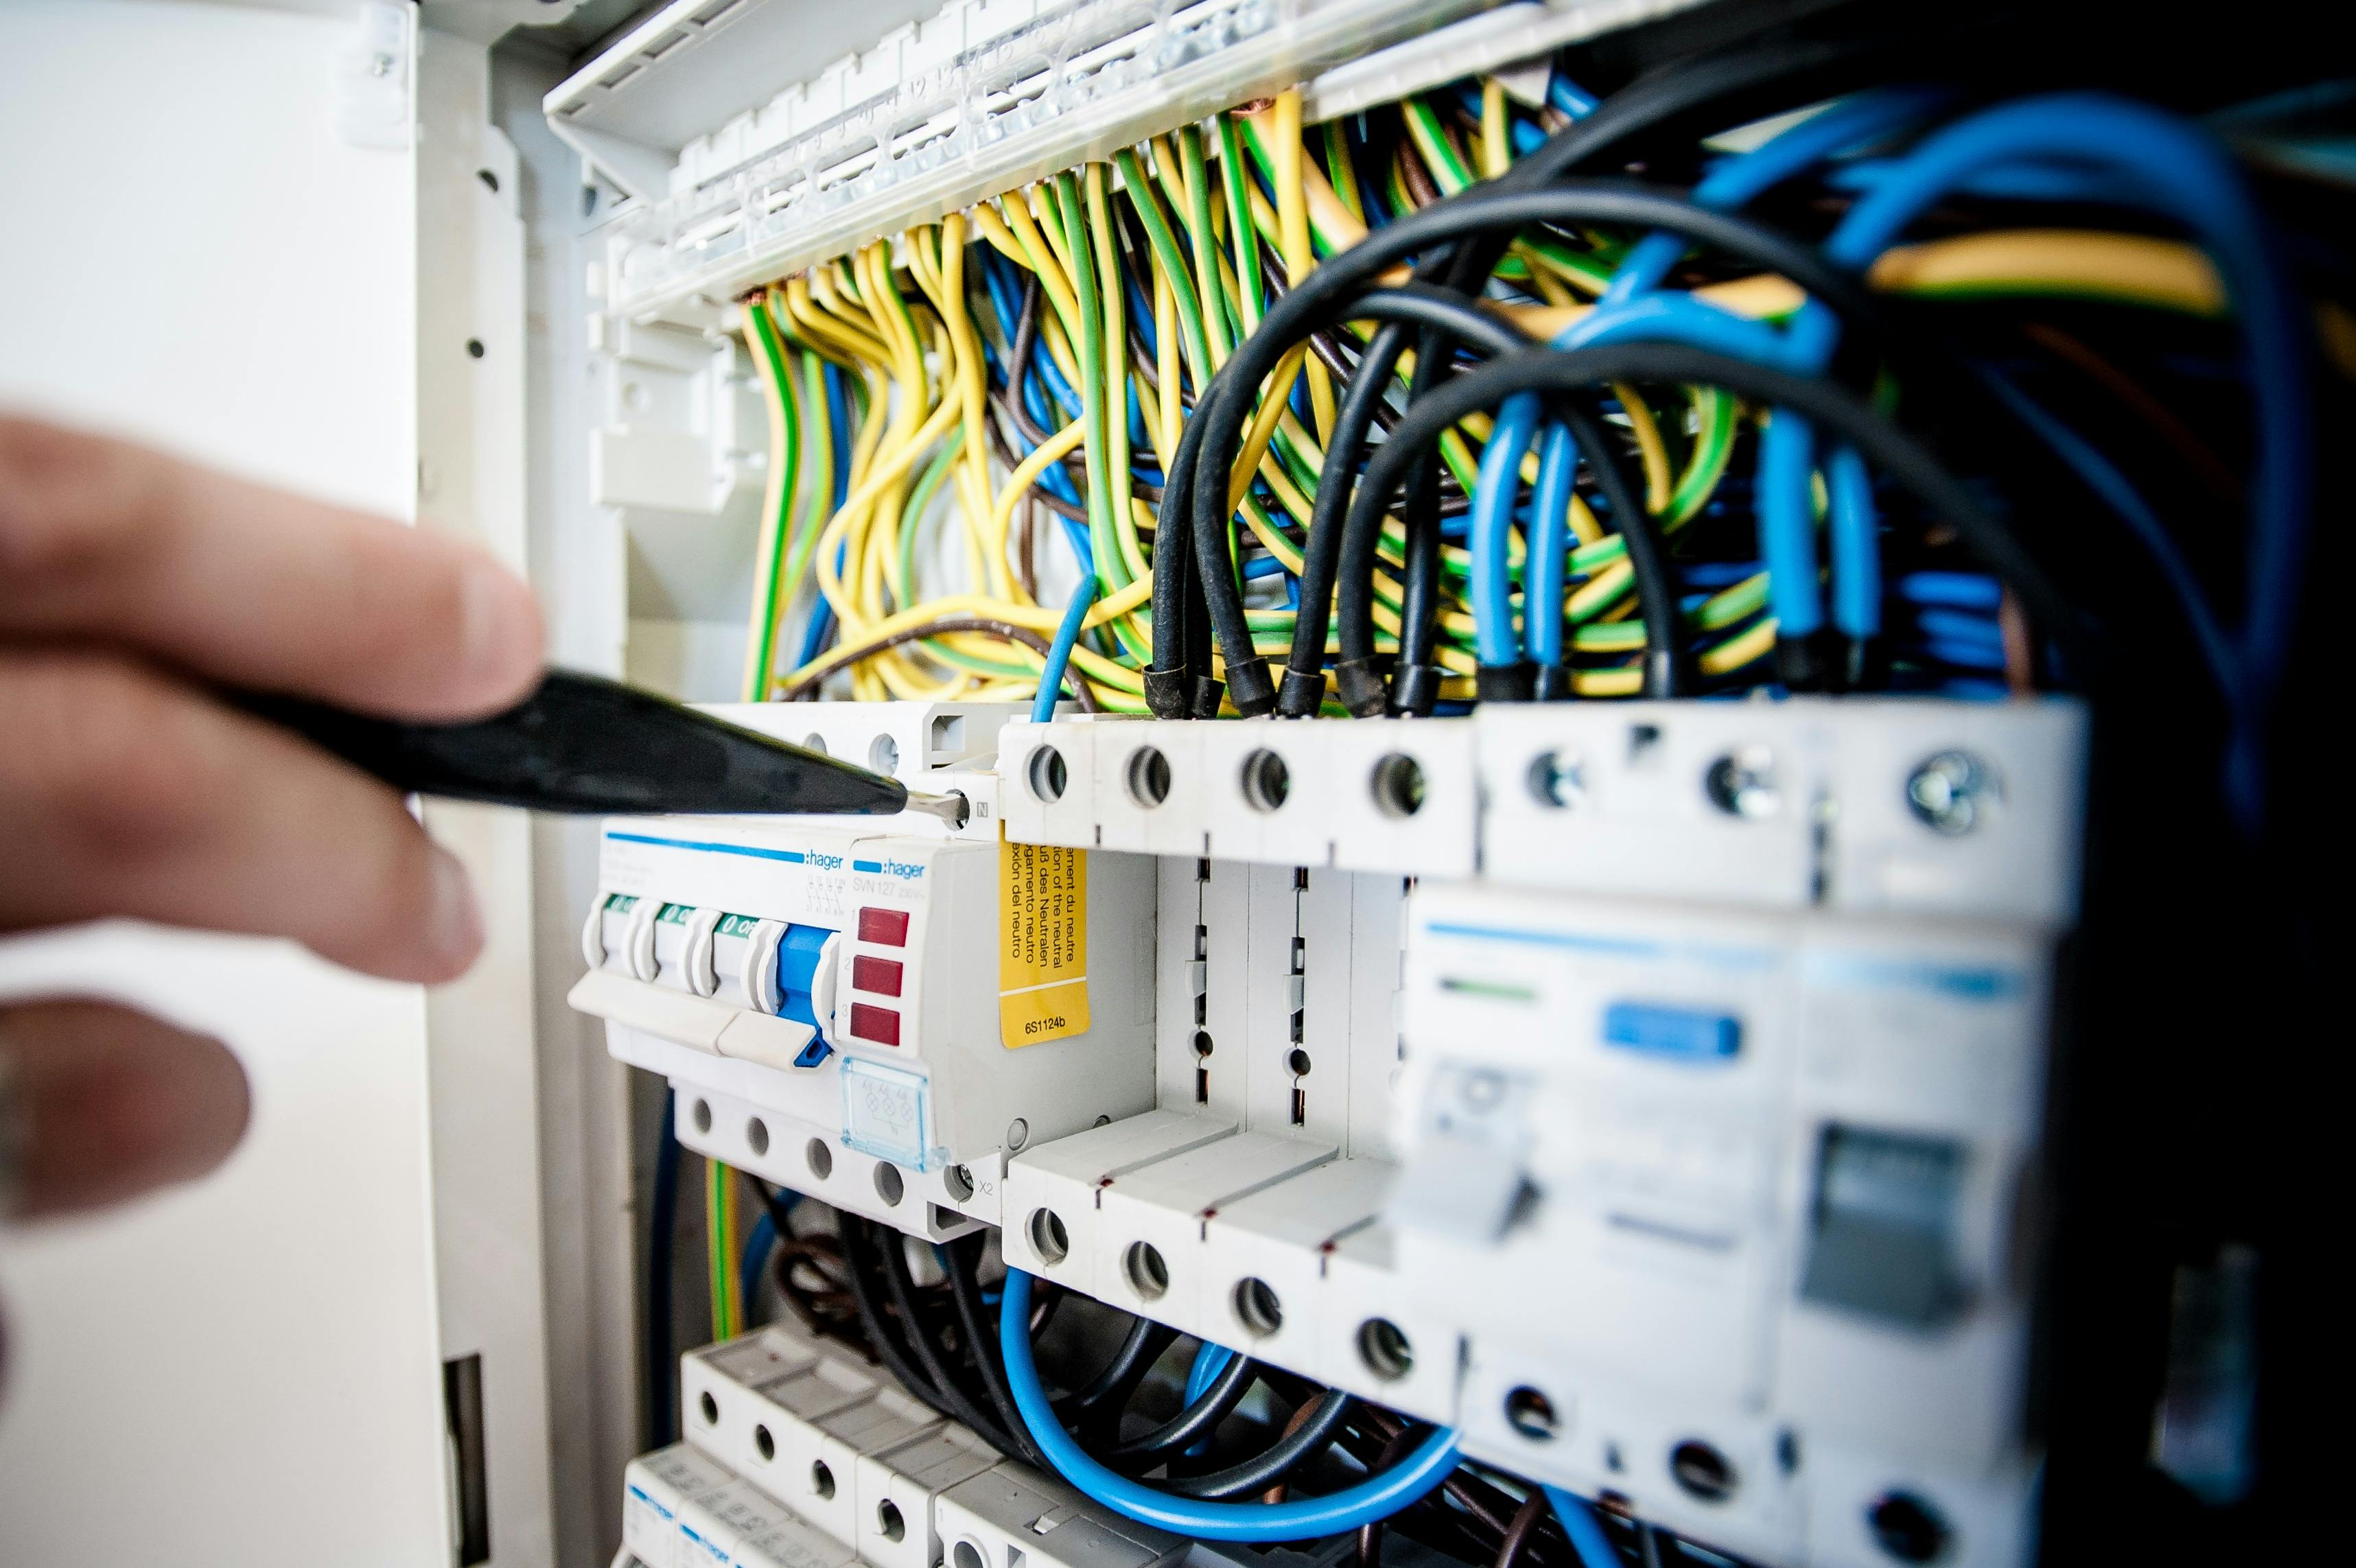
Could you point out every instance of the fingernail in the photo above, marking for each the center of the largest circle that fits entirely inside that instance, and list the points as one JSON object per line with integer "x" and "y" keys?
{"x": 502, "y": 627}
{"x": 457, "y": 921}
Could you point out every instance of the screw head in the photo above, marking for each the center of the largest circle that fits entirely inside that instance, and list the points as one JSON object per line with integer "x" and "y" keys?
{"x": 1742, "y": 784}
{"x": 1951, "y": 793}
{"x": 380, "y": 64}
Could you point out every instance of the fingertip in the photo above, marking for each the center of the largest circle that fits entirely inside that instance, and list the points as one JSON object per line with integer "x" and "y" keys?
{"x": 499, "y": 653}
{"x": 455, "y": 920}
{"x": 110, "y": 1104}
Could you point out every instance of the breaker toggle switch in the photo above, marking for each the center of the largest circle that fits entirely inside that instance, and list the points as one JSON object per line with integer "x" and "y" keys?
{"x": 790, "y": 970}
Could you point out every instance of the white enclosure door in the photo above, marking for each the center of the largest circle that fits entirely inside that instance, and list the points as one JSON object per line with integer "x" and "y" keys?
{"x": 244, "y": 1372}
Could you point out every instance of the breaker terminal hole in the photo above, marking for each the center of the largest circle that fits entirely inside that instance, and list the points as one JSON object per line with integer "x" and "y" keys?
{"x": 764, "y": 1445}
{"x": 959, "y": 1181}
{"x": 1532, "y": 1414}
{"x": 821, "y": 1478}
{"x": 1046, "y": 775}
{"x": 703, "y": 1115}
{"x": 1201, "y": 1042}
{"x": 819, "y": 1157}
{"x": 814, "y": 743}
{"x": 1704, "y": 1472}
{"x": 709, "y": 1407}
{"x": 1258, "y": 1308}
{"x": 1149, "y": 1276}
{"x": 888, "y": 1522}
{"x": 1267, "y": 782}
{"x": 1383, "y": 1346}
{"x": 889, "y": 1186}
{"x": 1398, "y": 785}
{"x": 966, "y": 1554}
{"x": 883, "y": 755}
{"x": 1048, "y": 1237}
{"x": 1907, "y": 1527}
{"x": 1147, "y": 776}
{"x": 1298, "y": 1062}
{"x": 944, "y": 1219}
{"x": 756, "y": 1135}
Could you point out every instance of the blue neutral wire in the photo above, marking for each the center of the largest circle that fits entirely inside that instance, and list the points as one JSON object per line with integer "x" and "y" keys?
{"x": 1569, "y": 96}
{"x": 1579, "y": 1523}
{"x": 2178, "y": 169}
{"x": 1059, "y": 655}
{"x": 1658, "y": 318}
{"x": 1494, "y": 488}
{"x": 1964, "y": 590}
{"x": 1210, "y": 1360}
{"x": 1787, "y": 535}
{"x": 1735, "y": 182}
{"x": 1377, "y": 1496}
{"x": 1549, "y": 544}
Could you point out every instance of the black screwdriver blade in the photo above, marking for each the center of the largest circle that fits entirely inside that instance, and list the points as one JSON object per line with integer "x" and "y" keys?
{"x": 585, "y": 744}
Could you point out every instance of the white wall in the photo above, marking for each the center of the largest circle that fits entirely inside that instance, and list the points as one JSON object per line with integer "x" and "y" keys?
{"x": 244, "y": 1372}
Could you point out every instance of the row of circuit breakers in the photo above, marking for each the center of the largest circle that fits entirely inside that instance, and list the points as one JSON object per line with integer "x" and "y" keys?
{"x": 1650, "y": 1091}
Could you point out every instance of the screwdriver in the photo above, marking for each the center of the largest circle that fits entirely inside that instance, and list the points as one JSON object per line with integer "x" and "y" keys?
{"x": 580, "y": 743}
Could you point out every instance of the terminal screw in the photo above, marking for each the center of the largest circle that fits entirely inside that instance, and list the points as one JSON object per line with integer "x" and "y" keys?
{"x": 1951, "y": 793}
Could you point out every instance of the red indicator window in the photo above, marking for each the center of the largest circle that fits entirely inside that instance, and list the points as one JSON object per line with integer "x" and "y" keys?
{"x": 885, "y": 927}
{"x": 881, "y": 1025}
{"x": 881, "y": 975}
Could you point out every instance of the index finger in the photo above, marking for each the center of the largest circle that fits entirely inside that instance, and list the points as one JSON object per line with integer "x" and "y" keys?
{"x": 104, "y": 541}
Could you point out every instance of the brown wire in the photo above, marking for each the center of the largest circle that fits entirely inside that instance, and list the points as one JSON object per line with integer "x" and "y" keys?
{"x": 2197, "y": 453}
{"x": 1525, "y": 1524}
{"x": 1005, "y": 631}
{"x": 1414, "y": 175}
{"x": 2019, "y": 650}
{"x": 1370, "y": 1534}
{"x": 1018, "y": 364}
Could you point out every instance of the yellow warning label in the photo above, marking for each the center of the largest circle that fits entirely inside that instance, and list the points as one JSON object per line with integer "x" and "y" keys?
{"x": 1042, "y": 944}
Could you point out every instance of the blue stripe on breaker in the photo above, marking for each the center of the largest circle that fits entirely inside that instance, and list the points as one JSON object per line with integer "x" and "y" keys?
{"x": 793, "y": 856}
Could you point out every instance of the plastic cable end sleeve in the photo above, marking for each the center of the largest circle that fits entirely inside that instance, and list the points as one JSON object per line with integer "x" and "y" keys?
{"x": 1250, "y": 688}
{"x": 1365, "y": 691}
{"x": 1301, "y": 694}
{"x": 1165, "y": 693}
{"x": 1515, "y": 682}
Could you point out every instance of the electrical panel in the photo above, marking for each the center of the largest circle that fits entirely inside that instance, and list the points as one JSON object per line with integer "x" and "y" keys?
{"x": 1626, "y": 1052}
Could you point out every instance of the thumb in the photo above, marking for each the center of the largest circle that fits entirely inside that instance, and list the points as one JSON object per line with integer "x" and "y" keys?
{"x": 100, "y": 1104}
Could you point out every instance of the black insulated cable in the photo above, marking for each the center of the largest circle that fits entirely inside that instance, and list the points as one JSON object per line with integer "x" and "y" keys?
{"x": 902, "y": 1287}
{"x": 1200, "y": 1419}
{"x": 959, "y": 1261}
{"x": 1323, "y": 295}
{"x": 1283, "y": 1457}
{"x": 1097, "y": 1406}
{"x": 1656, "y": 596}
{"x": 1304, "y": 690}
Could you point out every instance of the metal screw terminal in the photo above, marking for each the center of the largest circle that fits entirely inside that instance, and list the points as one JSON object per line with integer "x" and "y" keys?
{"x": 1951, "y": 793}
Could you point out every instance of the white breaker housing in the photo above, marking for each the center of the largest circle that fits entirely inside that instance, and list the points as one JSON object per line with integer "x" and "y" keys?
{"x": 826, "y": 993}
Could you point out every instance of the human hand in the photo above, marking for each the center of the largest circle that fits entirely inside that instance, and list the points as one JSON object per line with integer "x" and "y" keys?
{"x": 130, "y": 582}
